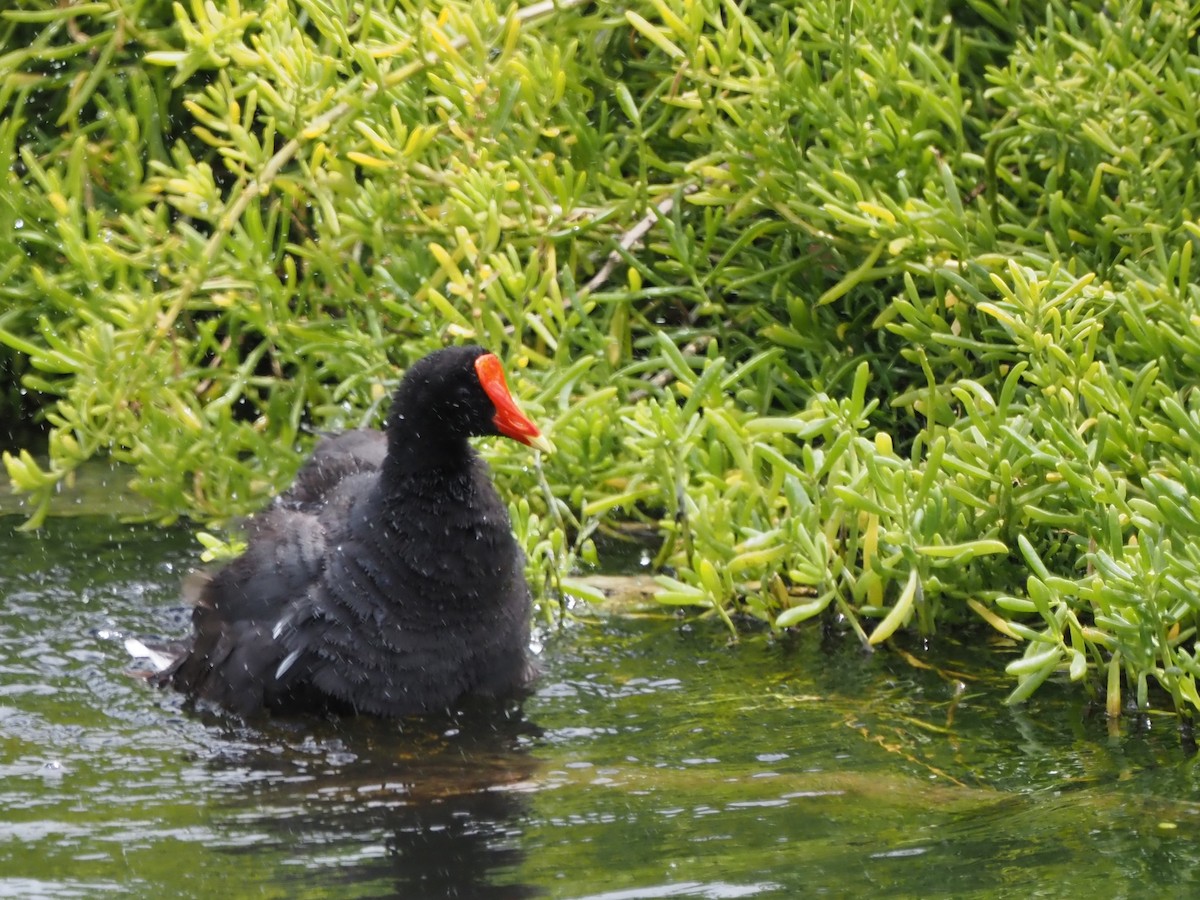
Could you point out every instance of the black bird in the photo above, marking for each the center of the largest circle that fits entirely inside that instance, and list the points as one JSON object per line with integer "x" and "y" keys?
{"x": 386, "y": 580}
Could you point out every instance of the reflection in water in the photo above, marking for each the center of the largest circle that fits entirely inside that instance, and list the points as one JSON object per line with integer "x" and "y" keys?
{"x": 427, "y": 808}
{"x": 458, "y": 846}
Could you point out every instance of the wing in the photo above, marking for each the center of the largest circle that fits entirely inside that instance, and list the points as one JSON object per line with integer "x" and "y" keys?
{"x": 333, "y": 460}
{"x": 236, "y": 657}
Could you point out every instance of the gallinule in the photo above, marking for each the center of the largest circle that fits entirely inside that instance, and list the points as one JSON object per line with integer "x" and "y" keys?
{"x": 386, "y": 580}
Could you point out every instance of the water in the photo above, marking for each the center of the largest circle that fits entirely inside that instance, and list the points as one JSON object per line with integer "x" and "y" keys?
{"x": 654, "y": 761}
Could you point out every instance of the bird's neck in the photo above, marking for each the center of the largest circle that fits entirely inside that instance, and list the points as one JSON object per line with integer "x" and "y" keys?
{"x": 454, "y": 497}
{"x": 418, "y": 446}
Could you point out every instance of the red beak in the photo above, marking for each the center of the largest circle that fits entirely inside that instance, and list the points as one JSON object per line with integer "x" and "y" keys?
{"x": 509, "y": 420}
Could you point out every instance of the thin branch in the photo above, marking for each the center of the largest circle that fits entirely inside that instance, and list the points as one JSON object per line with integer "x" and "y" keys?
{"x": 633, "y": 237}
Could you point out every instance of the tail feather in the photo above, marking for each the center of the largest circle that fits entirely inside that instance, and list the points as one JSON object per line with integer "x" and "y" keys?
{"x": 160, "y": 657}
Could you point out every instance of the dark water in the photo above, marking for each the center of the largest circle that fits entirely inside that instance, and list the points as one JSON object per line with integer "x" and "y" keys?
{"x": 654, "y": 761}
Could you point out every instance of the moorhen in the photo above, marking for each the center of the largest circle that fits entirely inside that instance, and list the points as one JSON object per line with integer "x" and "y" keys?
{"x": 386, "y": 580}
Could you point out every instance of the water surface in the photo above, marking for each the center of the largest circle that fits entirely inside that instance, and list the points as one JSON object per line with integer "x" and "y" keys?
{"x": 654, "y": 760}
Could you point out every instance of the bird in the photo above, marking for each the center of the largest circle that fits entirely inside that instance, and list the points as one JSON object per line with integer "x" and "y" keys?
{"x": 386, "y": 580}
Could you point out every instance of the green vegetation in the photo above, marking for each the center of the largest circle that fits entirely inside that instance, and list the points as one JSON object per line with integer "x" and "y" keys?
{"x": 883, "y": 312}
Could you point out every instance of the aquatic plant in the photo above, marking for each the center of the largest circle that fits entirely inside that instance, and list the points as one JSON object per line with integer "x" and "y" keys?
{"x": 881, "y": 313}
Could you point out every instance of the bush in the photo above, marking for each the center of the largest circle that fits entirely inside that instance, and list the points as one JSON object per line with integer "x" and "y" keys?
{"x": 883, "y": 313}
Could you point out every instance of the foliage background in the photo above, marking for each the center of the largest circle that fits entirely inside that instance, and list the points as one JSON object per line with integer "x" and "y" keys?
{"x": 883, "y": 313}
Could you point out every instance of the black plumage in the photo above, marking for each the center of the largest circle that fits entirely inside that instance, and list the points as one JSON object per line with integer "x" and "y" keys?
{"x": 386, "y": 580}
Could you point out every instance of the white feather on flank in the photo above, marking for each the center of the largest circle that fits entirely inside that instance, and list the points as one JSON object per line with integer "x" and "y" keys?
{"x": 286, "y": 664}
{"x": 160, "y": 662}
